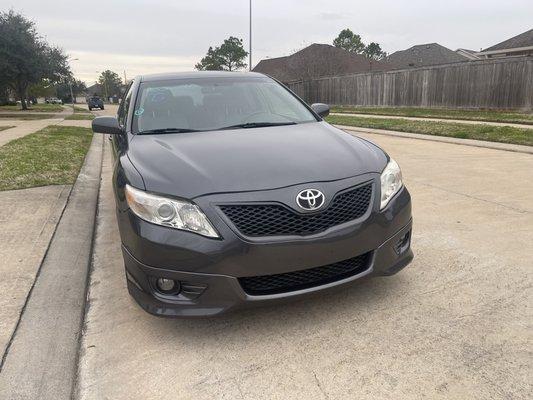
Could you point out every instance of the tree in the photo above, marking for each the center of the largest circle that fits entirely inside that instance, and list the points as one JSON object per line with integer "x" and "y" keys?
{"x": 25, "y": 58}
{"x": 229, "y": 56}
{"x": 349, "y": 41}
{"x": 42, "y": 89}
{"x": 4, "y": 94}
{"x": 111, "y": 83}
{"x": 373, "y": 50}
{"x": 62, "y": 89}
{"x": 211, "y": 62}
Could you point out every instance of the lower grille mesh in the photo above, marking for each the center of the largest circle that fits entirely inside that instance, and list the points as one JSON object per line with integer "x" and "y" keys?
{"x": 303, "y": 279}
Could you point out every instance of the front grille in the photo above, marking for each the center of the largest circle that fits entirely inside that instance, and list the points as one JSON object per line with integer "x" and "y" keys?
{"x": 273, "y": 219}
{"x": 303, "y": 279}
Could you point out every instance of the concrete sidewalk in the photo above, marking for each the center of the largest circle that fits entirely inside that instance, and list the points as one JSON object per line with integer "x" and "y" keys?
{"x": 37, "y": 210}
{"x": 459, "y": 121}
{"x": 25, "y": 128}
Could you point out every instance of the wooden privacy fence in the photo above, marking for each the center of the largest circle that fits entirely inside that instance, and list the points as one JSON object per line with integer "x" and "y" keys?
{"x": 497, "y": 84}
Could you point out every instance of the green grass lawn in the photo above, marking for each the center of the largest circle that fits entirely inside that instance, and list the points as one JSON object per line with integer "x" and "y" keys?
{"x": 51, "y": 156}
{"x": 26, "y": 117}
{"x": 473, "y": 115}
{"x": 35, "y": 108}
{"x": 80, "y": 116}
{"x": 503, "y": 134}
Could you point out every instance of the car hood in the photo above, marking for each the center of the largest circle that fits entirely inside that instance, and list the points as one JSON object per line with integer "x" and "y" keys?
{"x": 193, "y": 164}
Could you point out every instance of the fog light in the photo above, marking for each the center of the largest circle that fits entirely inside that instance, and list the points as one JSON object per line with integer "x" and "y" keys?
{"x": 167, "y": 286}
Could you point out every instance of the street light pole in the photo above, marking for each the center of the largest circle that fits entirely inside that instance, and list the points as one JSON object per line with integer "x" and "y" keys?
{"x": 70, "y": 85}
{"x": 250, "y": 66}
{"x": 71, "y": 95}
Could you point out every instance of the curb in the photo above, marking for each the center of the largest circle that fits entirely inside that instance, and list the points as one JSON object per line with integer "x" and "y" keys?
{"x": 517, "y": 148}
{"x": 41, "y": 359}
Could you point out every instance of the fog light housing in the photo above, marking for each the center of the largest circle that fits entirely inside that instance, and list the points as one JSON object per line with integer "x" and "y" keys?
{"x": 167, "y": 286}
{"x": 403, "y": 243}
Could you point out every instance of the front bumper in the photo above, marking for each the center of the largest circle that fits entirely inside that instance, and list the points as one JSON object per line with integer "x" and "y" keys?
{"x": 209, "y": 269}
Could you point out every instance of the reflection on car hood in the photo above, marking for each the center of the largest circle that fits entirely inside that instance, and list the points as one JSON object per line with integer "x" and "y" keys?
{"x": 193, "y": 164}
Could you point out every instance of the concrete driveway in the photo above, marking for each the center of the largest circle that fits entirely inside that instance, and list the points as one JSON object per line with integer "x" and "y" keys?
{"x": 456, "y": 324}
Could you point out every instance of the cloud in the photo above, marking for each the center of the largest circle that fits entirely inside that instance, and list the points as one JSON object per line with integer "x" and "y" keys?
{"x": 332, "y": 16}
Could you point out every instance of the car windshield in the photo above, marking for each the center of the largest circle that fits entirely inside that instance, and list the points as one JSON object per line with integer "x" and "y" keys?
{"x": 187, "y": 105}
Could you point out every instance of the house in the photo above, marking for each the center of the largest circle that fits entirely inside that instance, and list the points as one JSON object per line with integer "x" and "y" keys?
{"x": 318, "y": 60}
{"x": 470, "y": 54}
{"x": 423, "y": 55}
{"x": 519, "y": 45}
{"x": 95, "y": 90}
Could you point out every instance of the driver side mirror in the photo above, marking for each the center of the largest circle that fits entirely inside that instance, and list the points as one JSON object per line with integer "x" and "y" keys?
{"x": 321, "y": 109}
{"x": 107, "y": 125}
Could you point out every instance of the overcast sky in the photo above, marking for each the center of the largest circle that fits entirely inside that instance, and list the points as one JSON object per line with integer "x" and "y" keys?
{"x": 145, "y": 36}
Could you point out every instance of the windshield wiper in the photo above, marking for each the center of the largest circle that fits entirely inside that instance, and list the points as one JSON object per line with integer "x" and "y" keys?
{"x": 257, "y": 125}
{"x": 168, "y": 130}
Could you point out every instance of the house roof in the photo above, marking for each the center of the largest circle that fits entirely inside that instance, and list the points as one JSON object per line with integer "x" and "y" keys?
{"x": 197, "y": 75}
{"x": 425, "y": 54}
{"x": 523, "y": 40}
{"x": 94, "y": 89}
{"x": 275, "y": 67}
{"x": 318, "y": 60}
{"x": 470, "y": 54}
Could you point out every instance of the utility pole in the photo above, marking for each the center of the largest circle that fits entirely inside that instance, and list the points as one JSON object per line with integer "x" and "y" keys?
{"x": 71, "y": 95}
{"x": 70, "y": 85}
{"x": 250, "y": 66}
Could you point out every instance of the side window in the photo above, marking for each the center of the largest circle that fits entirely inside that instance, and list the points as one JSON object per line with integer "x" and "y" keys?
{"x": 124, "y": 107}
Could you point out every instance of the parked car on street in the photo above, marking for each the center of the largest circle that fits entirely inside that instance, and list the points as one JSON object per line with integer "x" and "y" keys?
{"x": 53, "y": 100}
{"x": 95, "y": 102}
{"x": 231, "y": 192}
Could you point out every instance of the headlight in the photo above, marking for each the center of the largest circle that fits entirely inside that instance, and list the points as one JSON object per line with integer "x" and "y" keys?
{"x": 173, "y": 213}
{"x": 391, "y": 182}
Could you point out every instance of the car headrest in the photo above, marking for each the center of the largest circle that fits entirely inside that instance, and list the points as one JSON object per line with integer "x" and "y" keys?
{"x": 159, "y": 100}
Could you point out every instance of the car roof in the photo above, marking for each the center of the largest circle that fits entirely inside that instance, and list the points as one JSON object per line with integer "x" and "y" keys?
{"x": 198, "y": 75}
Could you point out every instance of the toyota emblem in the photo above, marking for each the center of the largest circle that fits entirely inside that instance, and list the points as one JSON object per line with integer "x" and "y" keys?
{"x": 310, "y": 199}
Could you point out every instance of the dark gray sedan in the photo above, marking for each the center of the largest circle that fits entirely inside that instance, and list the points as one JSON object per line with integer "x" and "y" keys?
{"x": 231, "y": 192}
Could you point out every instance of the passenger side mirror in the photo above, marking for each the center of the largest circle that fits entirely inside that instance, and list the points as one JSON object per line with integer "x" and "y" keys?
{"x": 321, "y": 109}
{"x": 106, "y": 125}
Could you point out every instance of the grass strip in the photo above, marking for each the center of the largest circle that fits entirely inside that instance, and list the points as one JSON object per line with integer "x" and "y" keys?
{"x": 34, "y": 108}
{"x": 471, "y": 115}
{"x": 3, "y": 128}
{"x": 26, "y": 117}
{"x": 51, "y": 156}
{"x": 80, "y": 116}
{"x": 502, "y": 134}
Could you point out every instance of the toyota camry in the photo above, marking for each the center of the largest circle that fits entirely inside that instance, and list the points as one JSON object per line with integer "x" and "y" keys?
{"x": 231, "y": 191}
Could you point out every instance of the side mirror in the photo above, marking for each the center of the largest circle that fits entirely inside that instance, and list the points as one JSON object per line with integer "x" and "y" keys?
{"x": 106, "y": 125}
{"x": 321, "y": 109}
